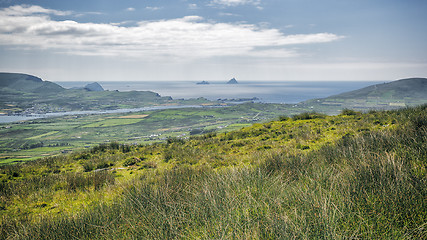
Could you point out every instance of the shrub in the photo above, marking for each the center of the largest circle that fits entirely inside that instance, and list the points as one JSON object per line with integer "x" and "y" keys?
{"x": 88, "y": 166}
{"x": 147, "y": 165}
{"x": 348, "y": 112}
{"x": 131, "y": 161}
{"x": 76, "y": 181}
{"x": 171, "y": 140}
{"x": 283, "y": 118}
{"x": 308, "y": 115}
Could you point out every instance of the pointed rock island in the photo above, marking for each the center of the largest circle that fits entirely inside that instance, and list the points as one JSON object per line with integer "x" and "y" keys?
{"x": 232, "y": 81}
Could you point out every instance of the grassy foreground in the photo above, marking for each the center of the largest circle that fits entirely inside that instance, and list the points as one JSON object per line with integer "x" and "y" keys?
{"x": 352, "y": 176}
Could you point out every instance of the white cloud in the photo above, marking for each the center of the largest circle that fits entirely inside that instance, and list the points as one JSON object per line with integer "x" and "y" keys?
{"x": 153, "y": 8}
{"x": 192, "y": 6}
{"x": 188, "y": 37}
{"x": 232, "y": 3}
{"x": 228, "y": 14}
{"x": 131, "y": 9}
{"x": 22, "y": 10}
{"x": 87, "y": 13}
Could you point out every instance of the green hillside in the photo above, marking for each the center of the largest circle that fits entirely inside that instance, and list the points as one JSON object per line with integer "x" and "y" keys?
{"x": 312, "y": 176}
{"x": 400, "y": 93}
{"x": 27, "y": 83}
{"x": 401, "y": 89}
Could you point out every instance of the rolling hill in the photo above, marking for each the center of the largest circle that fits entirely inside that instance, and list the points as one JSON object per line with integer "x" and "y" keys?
{"x": 400, "y": 89}
{"x": 27, "y": 83}
{"x": 400, "y": 93}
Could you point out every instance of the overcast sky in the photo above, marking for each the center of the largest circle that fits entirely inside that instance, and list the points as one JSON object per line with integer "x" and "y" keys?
{"x": 131, "y": 40}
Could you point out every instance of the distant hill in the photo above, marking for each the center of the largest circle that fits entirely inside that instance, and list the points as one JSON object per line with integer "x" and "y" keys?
{"x": 400, "y": 93}
{"x": 410, "y": 87}
{"x": 27, "y": 83}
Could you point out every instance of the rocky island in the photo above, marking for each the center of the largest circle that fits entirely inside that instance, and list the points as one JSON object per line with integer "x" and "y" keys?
{"x": 203, "y": 83}
{"x": 232, "y": 81}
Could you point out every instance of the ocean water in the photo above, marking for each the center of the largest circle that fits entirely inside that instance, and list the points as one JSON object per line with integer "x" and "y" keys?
{"x": 267, "y": 92}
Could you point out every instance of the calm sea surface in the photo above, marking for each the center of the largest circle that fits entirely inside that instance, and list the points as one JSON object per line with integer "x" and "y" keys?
{"x": 268, "y": 92}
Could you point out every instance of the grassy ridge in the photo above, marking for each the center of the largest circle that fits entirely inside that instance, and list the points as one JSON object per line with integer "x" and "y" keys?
{"x": 313, "y": 176}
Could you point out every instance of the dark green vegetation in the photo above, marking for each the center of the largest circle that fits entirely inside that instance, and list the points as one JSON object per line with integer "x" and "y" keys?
{"x": 23, "y": 141}
{"x": 26, "y": 94}
{"x": 312, "y": 176}
{"x": 401, "y": 93}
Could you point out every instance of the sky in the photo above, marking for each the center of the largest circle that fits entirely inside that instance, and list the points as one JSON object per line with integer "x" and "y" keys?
{"x": 262, "y": 40}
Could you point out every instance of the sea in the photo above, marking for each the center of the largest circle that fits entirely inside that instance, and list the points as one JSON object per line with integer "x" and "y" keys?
{"x": 265, "y": 91}
{"x": 289, "y": 92}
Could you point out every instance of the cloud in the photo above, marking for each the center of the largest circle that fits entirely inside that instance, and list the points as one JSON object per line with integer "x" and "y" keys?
{"x": 87, "y": 13}
{"x": 229, "y": 14}
{"x": 192, "y": 6}
{"x": 153, "y": 8}
{"x": 190, "y": 37}
{"x": 22, "y": 10}
{"x": 131, "y": 9}
{"x": 233, "y": 3}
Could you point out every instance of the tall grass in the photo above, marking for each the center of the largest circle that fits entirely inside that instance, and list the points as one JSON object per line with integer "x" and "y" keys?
{"x": 369, "y": 186}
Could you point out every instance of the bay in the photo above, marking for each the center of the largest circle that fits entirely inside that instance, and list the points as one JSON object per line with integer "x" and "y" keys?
{"x": 266, "y": 91}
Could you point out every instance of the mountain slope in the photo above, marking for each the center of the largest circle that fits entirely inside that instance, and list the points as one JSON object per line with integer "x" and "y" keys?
{"x": 400, "y": 89}
{"x": 27, "y": 83}
{"x": 400, "y": 93}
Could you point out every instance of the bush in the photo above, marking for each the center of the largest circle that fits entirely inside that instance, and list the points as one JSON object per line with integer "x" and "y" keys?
{"x": 349, "y": 112}
{"x": 88, "y": 166}
{"x": 171, "y": 140}
{"x": 76, "y": 181}
{"x": 131, "y": 161}
{"x": 283, "y": 118}
{"x": 307, "y": 116}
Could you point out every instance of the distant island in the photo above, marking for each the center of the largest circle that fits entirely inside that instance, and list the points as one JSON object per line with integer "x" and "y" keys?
{"x": 232, "y": 81}
{"x": 203, "y": 83}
